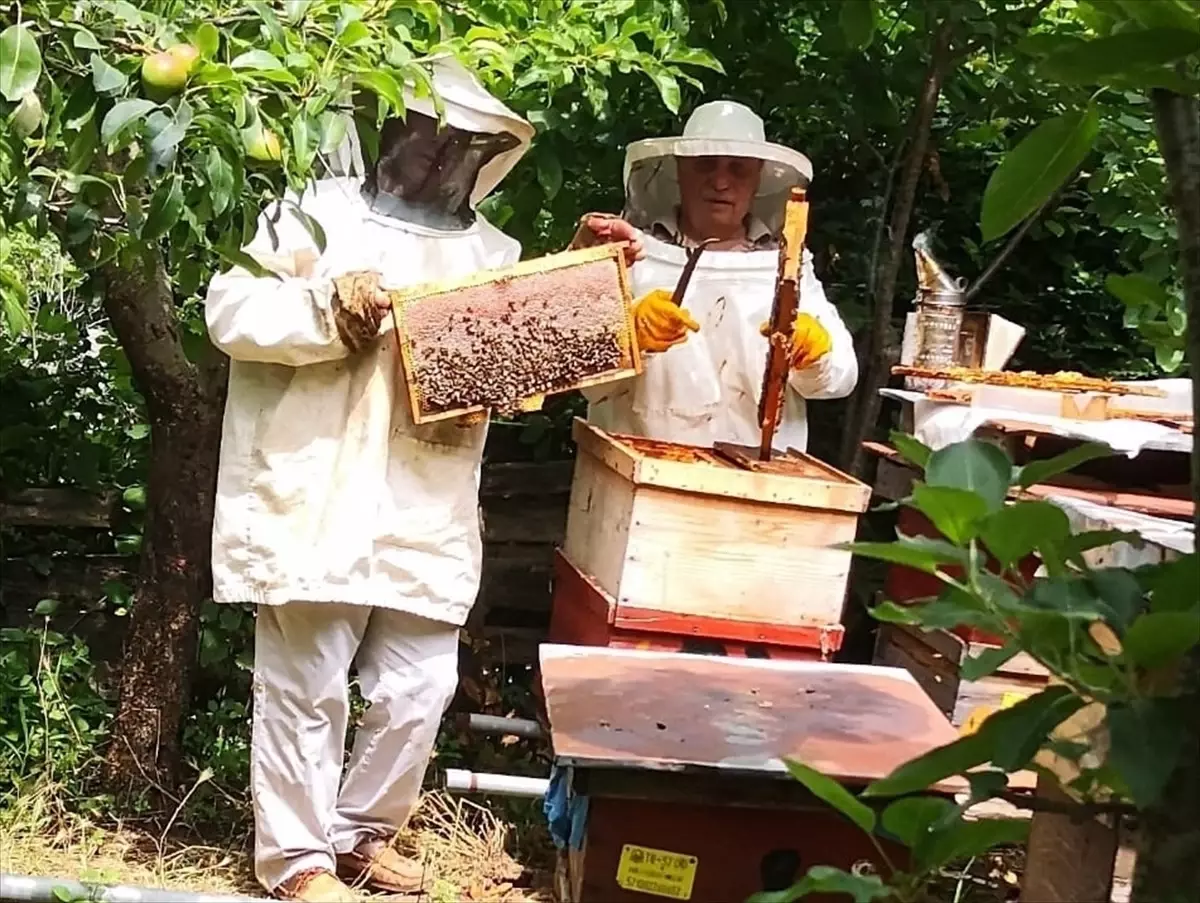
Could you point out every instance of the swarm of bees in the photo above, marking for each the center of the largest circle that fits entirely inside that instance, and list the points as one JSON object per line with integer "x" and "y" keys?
{"x": 495, "y": 344}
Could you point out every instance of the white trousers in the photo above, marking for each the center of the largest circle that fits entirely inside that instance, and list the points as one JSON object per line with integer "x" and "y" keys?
{"x": 305, "y": 813}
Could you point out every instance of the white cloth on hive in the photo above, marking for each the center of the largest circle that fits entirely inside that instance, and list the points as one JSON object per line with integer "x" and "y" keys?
{"x": 939, "y": 424}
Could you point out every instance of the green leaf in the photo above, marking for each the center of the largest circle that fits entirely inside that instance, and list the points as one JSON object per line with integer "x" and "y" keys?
{"x": 549, "y": 173}
{"x": 1039, "y": 471}
{"x": 207, "y": 40}
{"x": 259, "y": 60}
{"x": 165, "y": 208}
{"x": 20, "y": 62}
{"x": 1137, "y": 290}
{"x": 830, "y": 791}
{"x": 134, "y": 498}
{"x": 668, "y": 89}
{"x": 1076, "y": 544}
{"x": 695, "y": 56}
{"x": 1147, "y": 739}
{"x": 122, "y": 114}
{"x": 1008, "y": 730}
{"x": 84, "y": 39}
{"x": 1123, "y": 54}
{"x": 909, "y": 819}
{"x": 911, "y": 449}
{"x": 891, "y": 613}
{"x": 47, "y": 607}
{"x": 1019, "y": 731}
{"x": 955, "y": 513}
{"x": 1033, "y": 170}
{"x": 311, "y": 225}
{"x": 1174, "y": 586}
{"x": 1159, "y": 13}
{"x": 977, "y": 667}
{"x": 383, "y": 85}
{"x": 961, "y": 839}
{"x": 915, "y": 552}
{"x": 857, "y": 18}
{"x": 106, "y": 79}
{"x": 332, "y": 126}
{"x": 220, "y": 180}
{"x": 824, "y": 879}
{"x": 974, "y": 465}
{"x": 1018, "y": 529}
{"x": 239, "y": 258}
{"x": 353, "y": 33}
{"x": 1160, "y": 638}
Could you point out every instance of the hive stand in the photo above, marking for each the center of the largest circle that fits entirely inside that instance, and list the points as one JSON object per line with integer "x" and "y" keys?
{"x": 681, "y": 758}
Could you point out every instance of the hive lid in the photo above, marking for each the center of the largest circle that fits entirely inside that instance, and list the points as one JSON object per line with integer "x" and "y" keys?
{"x": 794, "y": 479}
{"x": 678, "y": 712}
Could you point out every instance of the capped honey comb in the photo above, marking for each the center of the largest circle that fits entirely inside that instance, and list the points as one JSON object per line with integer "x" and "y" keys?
{"x": 499, "y": 338}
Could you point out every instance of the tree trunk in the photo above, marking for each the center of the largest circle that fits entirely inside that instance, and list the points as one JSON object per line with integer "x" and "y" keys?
{"x": 184, "y": 403}
{"x": 1168, "y": 861}
{"x": 877, "y": 351}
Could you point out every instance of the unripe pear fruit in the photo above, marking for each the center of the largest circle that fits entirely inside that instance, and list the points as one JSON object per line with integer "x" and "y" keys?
{"x": 264, "y": 146}
{"x": 164, "y": 74}
{"x": 27, "y": 117}
{"x": 186, "y": 52}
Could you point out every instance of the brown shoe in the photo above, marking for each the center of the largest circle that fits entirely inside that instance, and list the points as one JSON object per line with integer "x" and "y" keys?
{"x": 378, "y": 867}
{"x": 315, "y": 886}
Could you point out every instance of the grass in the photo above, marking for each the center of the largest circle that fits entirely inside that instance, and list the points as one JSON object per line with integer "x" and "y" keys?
{"x": 467, "y": 849}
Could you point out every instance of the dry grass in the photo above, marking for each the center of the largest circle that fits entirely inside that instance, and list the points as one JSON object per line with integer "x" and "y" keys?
{"x": 463, "y": 845}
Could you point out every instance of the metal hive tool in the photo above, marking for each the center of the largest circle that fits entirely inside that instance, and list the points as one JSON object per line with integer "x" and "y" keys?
{"x": 501, "y": 340}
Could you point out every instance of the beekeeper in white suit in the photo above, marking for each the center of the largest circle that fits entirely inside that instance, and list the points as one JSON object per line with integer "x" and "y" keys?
{"x": 720, "y": 182}
{"x": 355, "y": 531}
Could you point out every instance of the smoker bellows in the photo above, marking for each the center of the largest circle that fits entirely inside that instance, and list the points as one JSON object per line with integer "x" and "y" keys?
{"x": 501, "y": 338}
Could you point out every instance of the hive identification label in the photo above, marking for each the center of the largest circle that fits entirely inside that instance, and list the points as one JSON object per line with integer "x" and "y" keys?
{"x": 656, "y": 872}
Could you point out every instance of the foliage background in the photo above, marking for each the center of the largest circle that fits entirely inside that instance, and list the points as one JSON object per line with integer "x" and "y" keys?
{"x": 825, "y": 84}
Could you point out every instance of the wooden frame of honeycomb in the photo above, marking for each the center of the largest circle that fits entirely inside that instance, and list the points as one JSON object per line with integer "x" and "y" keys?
{"x": 504, "y": 339}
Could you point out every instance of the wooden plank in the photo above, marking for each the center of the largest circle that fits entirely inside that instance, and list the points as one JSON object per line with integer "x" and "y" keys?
{"x": 534, "y": 519}
{"x": 64, "y": 508}
{"x": 599, "y": 519}
{"x": 503, "y": 480}
{"x": 728, "y": 558}
{"x": 715, "y": 477}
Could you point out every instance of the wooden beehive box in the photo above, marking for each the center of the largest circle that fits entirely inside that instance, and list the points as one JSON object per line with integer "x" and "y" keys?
{"x": 679, "y": 536}
{"x": 503, "y": 339}
{"x": 934, "y": 659}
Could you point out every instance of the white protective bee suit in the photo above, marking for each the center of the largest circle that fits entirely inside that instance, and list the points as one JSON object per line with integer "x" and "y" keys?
{"x": 707, "y": 389}
{"x": 355, "y": 531}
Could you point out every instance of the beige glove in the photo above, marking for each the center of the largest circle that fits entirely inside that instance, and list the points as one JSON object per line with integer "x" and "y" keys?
{"x": 359, "y": 306}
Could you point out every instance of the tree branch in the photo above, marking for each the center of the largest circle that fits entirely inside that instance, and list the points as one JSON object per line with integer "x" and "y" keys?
{"x": 866, "y": 408}
{"x": 1011, "y": 245}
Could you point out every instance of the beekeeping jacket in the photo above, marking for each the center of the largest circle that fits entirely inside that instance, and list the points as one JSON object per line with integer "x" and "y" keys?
{"x": 328, "y": 492}
{"x": 707, "y": 389}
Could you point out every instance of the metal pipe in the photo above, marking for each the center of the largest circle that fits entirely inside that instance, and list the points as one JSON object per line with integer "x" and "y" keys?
{"x": 27, "y": 889}
{"x": 502, "y": 784}
{"x": 513, "y": 727}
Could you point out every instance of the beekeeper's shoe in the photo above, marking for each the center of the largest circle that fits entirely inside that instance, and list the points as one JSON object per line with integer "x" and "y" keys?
{"x": 315, "y": 886}
{"x": 376, "y": 866}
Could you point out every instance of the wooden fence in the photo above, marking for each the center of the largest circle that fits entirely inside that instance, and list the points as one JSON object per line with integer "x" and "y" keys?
{"x": 524, "y": 516}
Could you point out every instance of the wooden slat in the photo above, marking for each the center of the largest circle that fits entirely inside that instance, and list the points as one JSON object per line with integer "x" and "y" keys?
{"x": 64, "y": 508}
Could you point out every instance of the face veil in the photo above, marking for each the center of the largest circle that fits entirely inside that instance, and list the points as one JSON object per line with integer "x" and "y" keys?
{"x": 426, "y": 174}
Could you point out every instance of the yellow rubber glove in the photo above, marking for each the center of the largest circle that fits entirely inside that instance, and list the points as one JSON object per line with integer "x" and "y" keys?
{"x": 659, "y": 323}
{"x": 810, "y": 341}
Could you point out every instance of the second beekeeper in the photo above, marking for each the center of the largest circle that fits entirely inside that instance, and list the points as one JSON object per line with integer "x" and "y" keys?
{"x": 722, "y": 184}
{"x": 355, "y": 531}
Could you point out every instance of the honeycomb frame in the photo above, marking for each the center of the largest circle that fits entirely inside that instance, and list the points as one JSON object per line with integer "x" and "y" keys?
{"x": 406, "y": 298}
